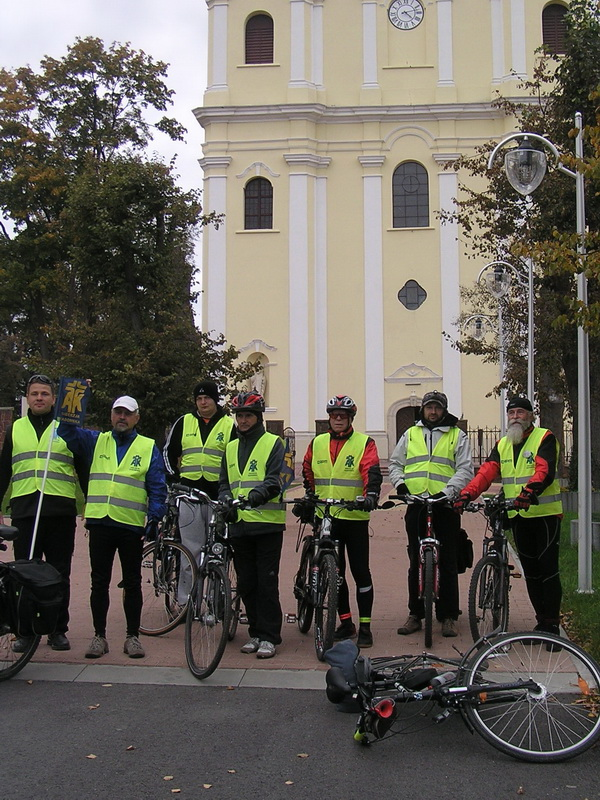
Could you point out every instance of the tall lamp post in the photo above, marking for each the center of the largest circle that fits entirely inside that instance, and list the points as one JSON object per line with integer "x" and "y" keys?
{"x": 525, "y": 168}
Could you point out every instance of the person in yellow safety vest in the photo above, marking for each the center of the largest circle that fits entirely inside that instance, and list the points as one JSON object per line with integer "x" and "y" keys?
{"x": 193, "y": 453}
{"x": 22, "y": 466}
{"x": 344, "y": 464}
{"x": 525, "y": 460}
{"x": 433, "y": 457}
{"x": 251, "y": 469}
{"x": 126, "y": 499}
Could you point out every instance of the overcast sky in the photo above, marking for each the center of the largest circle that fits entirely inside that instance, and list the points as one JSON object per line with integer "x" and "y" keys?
{"x": 168, "y": 30}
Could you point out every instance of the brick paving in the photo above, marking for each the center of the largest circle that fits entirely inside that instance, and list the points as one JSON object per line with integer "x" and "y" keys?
{"x": 389, "y": 565}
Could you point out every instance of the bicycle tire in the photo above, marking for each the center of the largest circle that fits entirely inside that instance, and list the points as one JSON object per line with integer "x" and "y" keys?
{"x": 163, "y": 565}
{"x": 325, "y": 610}
{"x": 236, "y": 600}
{"x": 10, "y": 662}
{"x": 555, "y": 723}
{"x": 428, "y": 567}
{"x": 207, "y": 621}
{"x": 304, "y": 610}
{"x": 488, "y": 598}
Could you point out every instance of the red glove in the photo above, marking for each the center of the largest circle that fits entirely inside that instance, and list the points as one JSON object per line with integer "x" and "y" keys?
{"x": 525, "y": 499}
{"x": 461, "y": 501}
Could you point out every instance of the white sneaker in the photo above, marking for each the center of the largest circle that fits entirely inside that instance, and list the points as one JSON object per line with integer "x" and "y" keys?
{"x": 251, "y": 646}
{"x": 265, "y": 650}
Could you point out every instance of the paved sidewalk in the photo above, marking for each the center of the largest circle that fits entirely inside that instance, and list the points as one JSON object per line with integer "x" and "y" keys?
{"x": 389, "y": 565}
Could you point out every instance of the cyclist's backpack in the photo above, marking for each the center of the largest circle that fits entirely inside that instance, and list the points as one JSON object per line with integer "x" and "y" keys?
{"x": 464, "y": 552}
{"x": 34, "y": 595}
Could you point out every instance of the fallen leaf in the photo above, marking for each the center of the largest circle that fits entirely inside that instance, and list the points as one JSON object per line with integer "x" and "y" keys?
{"x": 289, "y": 783}
{"x": 130, "y": 747}
{"x": 231, "y": 771}
{"x": 107, "y": 685}
{"x": 520, "y": 790}
{"x": 168, "y": 778}
{"x": 302, "y": 755}
{"x": 30, "y": 683}
{"x": 93, "y": 708}
{"x": 230, "y": 688}
{"x": 207, "y": 785}
{"x": 91, "y": 755}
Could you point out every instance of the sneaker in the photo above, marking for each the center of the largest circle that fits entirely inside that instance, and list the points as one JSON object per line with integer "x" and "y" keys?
{"x": 365, "y": 637}
{"x": 133, "y": 647}
{"x": 22, "y": 644}
{"x": 449, "y": 627}
{"x": 347, "y": 630}
{"x": 251, "y": 646}
{"x": 58, "y": 641}
{"x": 98, "y": 647}
{"x": 412, "y": 625}
{"x": 265, "y": 650}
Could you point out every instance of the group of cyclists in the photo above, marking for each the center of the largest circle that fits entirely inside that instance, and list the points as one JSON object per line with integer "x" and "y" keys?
{"x": 233, "y": 457}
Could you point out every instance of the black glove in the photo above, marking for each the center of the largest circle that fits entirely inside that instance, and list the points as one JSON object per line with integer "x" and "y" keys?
{"x": 461, "y": 501}
{"x": 525, "y": 499}
{"x": 151, "y": 530}
{"x": 439, "y": 495}
{"x": 304, "y": 511}
{"x": 230, "y": 511}
{"x": 370, "y": 502}
{"x": 402, "y": 490}
{"x": 255, "y": 498}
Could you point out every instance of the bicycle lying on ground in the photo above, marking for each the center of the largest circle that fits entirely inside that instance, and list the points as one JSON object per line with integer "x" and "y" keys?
{"x": 317, "y": 581}
{"x": 429, "y": 556}
{"x": 168, "y": 571}
{"x": 533, "y": 695}
{"x": 490, "y": 581}
{"x": 214, "y": 604}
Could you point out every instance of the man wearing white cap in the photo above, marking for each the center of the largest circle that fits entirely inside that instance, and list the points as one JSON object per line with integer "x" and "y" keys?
{"x": 127, "y": 485}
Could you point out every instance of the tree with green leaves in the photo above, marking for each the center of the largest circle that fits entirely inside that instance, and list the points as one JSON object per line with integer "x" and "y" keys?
{"x": 500, "y": 224}
{"x": 96, "y": 239}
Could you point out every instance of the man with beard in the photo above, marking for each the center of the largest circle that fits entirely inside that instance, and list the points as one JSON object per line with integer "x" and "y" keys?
{"x": 525, "y": 460}
{"x": 433, "y": 458}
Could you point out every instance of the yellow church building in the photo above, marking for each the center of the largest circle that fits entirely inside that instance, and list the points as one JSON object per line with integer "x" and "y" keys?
{"x": 328, "y": 125}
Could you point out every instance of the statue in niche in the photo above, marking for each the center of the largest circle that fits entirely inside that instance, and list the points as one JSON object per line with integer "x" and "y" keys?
{"x": 258, "y": 383}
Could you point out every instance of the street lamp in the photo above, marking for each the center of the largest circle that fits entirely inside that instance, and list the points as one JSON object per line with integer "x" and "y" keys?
{"x": 497, "y": 279}
{"x": 525, "y": 168}
{"x": 477, "y": 326}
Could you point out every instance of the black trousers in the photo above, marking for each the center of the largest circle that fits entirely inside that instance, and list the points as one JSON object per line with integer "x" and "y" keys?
{"x": 353, "y": 536}
{"x": 537, "y": 540}
{"x": 256, "y": 560}
{"x": 446, "y": 525}
{"x": 55, "y": 542}
{"x": 105, "y": 541}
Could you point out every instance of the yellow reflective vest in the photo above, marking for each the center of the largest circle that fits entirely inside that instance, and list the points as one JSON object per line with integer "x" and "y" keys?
{"x": 203, "y": 459}
{"x": 516, "y": 476}
{"x": 118, "y": 490}
{"x": 429, "y": 473}
{"x": 29, "y": 462}
{"x": 241, "y": 483}
{"x": 342, "y": 480}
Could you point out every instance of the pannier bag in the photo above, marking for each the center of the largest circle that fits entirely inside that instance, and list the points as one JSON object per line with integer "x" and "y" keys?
{"x": 34, "y": 594}
{"x": 464, "y": 552}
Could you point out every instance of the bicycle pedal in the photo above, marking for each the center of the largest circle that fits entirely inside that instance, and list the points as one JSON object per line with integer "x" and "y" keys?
{"x": 516, "y": 575}
{"x": 291, "y": 618}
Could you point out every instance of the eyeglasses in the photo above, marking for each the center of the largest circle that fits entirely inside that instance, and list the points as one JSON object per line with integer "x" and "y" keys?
{"x": 39, "y": 379}
{"x": 338, "y": 415}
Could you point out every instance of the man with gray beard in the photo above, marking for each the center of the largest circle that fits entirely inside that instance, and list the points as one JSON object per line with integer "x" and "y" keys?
{"x": 525, "y": 460}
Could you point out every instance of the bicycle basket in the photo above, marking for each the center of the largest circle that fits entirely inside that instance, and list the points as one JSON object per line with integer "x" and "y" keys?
{"x": 34, "y": 594}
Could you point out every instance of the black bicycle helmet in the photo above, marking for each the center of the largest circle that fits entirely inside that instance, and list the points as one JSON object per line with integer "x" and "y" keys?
{"x": 341, "y": 402}
{"x": 248, "y": 401}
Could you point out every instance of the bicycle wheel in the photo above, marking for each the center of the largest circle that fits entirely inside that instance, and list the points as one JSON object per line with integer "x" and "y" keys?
{"x": 556, "y": 720}
{"x": 168, "y": 574}
{"x": 304, "y": 612}
{"x": 488, "y": 598}
{"x": 236, "y": 600}
{"x": 11, "y": 662}
{"x": 207, "y": 621}
{"x": 326, "y": 606}
{"x": 428, "y": 567}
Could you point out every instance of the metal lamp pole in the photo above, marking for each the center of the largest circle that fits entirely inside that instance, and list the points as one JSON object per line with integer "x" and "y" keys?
{"x": 525, "y": 169}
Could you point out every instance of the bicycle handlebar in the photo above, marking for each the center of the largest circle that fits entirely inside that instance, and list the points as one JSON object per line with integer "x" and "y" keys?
{"x": 408, "y": 499}
{"x": 197, "y": 495}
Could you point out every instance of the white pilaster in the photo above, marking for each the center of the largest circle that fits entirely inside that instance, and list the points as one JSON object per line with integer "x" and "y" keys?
{"x": 317, "y": 44}
{"x": 445, "y": 52}
{"x": 298, "y": 302}
{"x": 497, "y": 21}
{"x": 450, "y": 290}
{"x": 218, "y": 72}
{"x": 517, "y": 33}
{"x": 373, "y": 300}
{"x": 320, "y": 302}
{"x": 370, "y": 44}
{"x": 214, "y": 271}
{"x": 297, "y": 44}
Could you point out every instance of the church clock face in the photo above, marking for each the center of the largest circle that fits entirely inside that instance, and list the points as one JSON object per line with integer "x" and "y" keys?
{"x": 406, "y": 14}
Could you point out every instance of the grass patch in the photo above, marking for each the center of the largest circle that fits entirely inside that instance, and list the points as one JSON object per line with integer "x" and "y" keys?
{"x": 581, "y": 612}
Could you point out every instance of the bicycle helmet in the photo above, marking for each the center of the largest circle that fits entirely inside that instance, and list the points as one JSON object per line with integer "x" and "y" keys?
{"x": 341, "y": 402}
{"x": 248, "y": 401}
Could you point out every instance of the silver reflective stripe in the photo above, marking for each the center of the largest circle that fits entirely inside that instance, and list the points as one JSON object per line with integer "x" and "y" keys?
{"x": 431, "y": 475}
{"x": 321, "y": 481}
{"x": 448, "y": 462}
{"x": 548, "y": 498}
{"x": 102, "y": 499}
{"x": 209, "y": 451}
{"x": 235, "y": 485}
{"x": 30, "y": 473}
{"x": 107, "y": 476}
{"x": 62, "y": 457}
{"x": 346, "y": 482}
{"x": 24, "y": 456}
{"x": 197, "y": 468}
{"x": 415, "y": 460}
{"x": 57, "y": 476}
